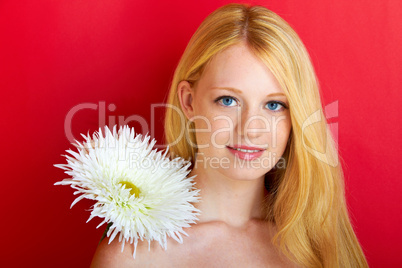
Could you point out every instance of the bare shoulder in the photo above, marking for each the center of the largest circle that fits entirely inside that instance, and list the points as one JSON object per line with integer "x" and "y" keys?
{"x": 152, "y": 254}
{"x": 147, "y": 254}
{"x": 110, "y": 255}
{"x": 211, "y": 244}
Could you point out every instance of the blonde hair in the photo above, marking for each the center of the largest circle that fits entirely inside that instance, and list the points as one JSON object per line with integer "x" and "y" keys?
{"x": 306, "y": 200}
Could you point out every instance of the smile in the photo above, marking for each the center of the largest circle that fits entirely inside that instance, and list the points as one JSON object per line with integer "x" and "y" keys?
{"x": 246, "y": 153}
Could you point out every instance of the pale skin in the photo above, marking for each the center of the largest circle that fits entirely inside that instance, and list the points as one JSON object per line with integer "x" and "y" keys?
{"x": 232, "y": 230}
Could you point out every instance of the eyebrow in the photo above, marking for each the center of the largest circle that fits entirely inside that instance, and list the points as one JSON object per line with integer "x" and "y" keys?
{"x": 240, "y": 92}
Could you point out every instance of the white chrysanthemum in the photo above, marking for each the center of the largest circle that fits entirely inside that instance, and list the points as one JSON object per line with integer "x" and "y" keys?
{"x": 142, "y": 193}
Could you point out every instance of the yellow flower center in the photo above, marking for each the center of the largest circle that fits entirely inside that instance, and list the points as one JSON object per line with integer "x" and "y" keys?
{"x": 134, "y": 190}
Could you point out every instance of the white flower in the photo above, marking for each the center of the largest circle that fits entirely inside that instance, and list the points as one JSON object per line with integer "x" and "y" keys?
{"x": 142, "y": 193}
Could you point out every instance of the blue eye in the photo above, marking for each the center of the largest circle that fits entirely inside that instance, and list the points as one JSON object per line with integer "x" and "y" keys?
{"x": 226, "y": 100}
{"x": 275, "y": 106}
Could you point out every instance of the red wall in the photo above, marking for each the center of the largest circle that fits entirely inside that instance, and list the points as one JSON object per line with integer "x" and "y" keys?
{"x": 63, "y": 56}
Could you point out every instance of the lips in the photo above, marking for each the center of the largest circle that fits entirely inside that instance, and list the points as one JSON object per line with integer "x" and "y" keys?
{"x": 247, "y": 148}
{"x": 246, "y": 152}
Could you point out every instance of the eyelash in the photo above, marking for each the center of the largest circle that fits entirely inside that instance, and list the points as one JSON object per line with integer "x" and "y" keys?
{"x": 230, "y": 97}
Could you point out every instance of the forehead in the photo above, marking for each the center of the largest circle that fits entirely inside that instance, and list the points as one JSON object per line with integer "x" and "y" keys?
{"x": 238, "y": 67}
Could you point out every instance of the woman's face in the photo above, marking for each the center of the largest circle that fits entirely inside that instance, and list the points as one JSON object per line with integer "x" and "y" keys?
{"x": 237, "y": 104}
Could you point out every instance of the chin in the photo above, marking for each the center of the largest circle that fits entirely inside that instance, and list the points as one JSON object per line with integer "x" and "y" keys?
{"x": 244, "y": 173}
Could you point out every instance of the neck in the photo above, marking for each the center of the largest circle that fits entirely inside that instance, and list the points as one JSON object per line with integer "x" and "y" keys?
{"x": 234, "y": 202}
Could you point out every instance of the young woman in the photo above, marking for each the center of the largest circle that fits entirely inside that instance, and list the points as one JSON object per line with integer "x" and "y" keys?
{"x": 271, "y": 186}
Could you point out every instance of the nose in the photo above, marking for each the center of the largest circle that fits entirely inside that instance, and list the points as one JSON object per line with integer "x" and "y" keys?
{"x": 251, "y": 124}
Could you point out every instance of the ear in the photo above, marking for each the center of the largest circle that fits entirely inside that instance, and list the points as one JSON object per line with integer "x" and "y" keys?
{"x": 186, "y": 95}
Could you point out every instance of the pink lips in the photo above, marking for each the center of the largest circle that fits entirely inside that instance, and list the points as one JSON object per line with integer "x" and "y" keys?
{"x": 246, "y": 155}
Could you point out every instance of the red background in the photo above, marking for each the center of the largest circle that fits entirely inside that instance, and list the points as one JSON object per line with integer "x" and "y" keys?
{"x": 55, "y": 55}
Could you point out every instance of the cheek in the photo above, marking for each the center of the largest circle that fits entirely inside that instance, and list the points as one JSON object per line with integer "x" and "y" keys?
{"x": 215, "y": 131}
{"x": 280, "y": 132}
{"x": 202, "y": 124}
{"x": 202, "y": 133}
{"x": 213, "y": 127}
{"x": 222, "y": 130}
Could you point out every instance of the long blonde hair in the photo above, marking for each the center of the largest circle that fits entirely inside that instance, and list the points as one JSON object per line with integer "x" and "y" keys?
{"x": 306, "y": 200}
